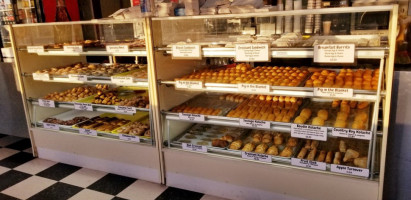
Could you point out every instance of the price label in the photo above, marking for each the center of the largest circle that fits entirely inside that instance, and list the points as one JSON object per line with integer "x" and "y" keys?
{"x": 35, "y": 49}
{"x": 126, "y": 137}
{"x": 252, "y": 53}
{"x": 342, "y": 169}
{"x": 47, "y": 103}
{"x": 191, "y": 117}
{"x": 125, "y": 109}
{"x": 255, "y": 123}
{"x": 41, "y": 76}
{"x": 189, "y": 84}
{"x": 117, "y": 48}
{"x": 186, "y": 51}
{"x": 258, "y": 88}
{"x": 88, "y": 132}
{"x": 333, "y": 92}
{"x": 309, "y": 164}
{"x": 51, "y": 126}
{"x": 77, "y": 77}
{"x": 193, "y": 147}
{"x": 256, "y": 156}
{"x": 73, "y": 48}
{"x": 352, "y": 133}
{"x": 122, "y": 79}
{"x": 334, "y": 53}
{"x": 309, "y": 132}
{"x": 83, "y": 106}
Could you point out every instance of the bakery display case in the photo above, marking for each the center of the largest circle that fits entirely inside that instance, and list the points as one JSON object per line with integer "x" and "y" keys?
{"x": 83, "y": 112}
{"x": 298, "y": 102}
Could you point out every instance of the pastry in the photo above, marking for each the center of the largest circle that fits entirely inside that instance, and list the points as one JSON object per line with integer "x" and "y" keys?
{"x": 278, "y": 139}
{"x": 358, "y": 125}
{"x": 302, "y": 153}
{"x": 321, "y": 157}
{"x": 236, "y": 145}
{"x": 292, "y": 142}
{"x": 261, "y": 148}
{"x": 361, "y": 162}
{"x": 273, "y": 150}
{"x": 335, "y": 103}
{"x": 267, "y": 138}
{"x": 287, "y": 152}
{"x": 351, "y": 155}
{"x": 363, "y": 105}
{"x": 337, "y": 158}
{"x": 300, "y": 120}
{"x": 361, "y": 116}
{"x": 227, "y": 138}
{"x": 306, "y": 113}
{"x": 340, "y": 124}
{"x": 248, "y": 147}
{"x": 219, "y": 143}
{"x": 311, "y": 155}
{"x": 318, "y": 121}
{"x": 353, "y": 104}
{"x": 323, "y": 114}
{"x": 329, "y": 157}
{"x": 314, "y": 144}
{"x": 342, "y": 146}
{"x": 307, "y": 144}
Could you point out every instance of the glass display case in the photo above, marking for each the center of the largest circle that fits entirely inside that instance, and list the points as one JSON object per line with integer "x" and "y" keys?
{"x": 69, "y": 99}
{"x": 303, "y": 96}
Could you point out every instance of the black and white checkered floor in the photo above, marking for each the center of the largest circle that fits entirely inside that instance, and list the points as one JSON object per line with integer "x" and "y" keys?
{"x": 24, "y": 177}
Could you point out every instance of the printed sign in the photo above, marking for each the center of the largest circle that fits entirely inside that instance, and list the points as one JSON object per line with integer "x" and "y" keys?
{"x": 73, "y": 48}
{"x": 125, "y": 109}
{"x": 186, "y": 51}
{"x": 191, "y": 117}
{"x": 192, "y": 147}
{"x": 352, "y": 133}
{"x": 309, "y": 132}
{"x": 117, "y": 48}
{"x": 77, "y": 77}
{"x": 51, "y": 126}
{"x": 308, "y": 164}
{"x": 35, "y": 49}
{"x": 261, "y": 88}
{"x": 126, "y": 137}
{"x": 88, "y": 132}
{"x": 189, "y": 84}
{"x": 342, "y": 169}
{"x": 333, "y": 92}
{"x": 83, "y": 106}
{"x": 41, "y": 76}
{"x": 334, "y": 53}
{"x": 47, "y": 103}
{"x": 256, "y": 156}
{"x": 252, "y": 53}
{"x": 255, "y": 123}
{"x": 122, "y": 79}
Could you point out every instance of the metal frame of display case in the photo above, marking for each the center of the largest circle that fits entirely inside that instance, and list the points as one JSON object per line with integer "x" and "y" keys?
{"x": 105, "y": 152}
{"x": 178, "y": 175}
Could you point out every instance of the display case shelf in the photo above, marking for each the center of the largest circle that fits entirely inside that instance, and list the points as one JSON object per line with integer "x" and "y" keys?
{"x": 360, "y": 53}
{"x": 96, "y": 107}
{"x": 91, "y": 52}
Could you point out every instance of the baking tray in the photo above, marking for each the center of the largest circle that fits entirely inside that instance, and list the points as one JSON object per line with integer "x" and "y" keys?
{"x": 144, "y": 120}
{"x": 71, "y": 114}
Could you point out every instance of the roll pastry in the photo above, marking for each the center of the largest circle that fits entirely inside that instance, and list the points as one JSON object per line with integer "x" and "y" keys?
{"x": 287, "y": 152}
{"x": 329, "y": 157}
{"x": 337, "y": 158}
{"x": 248, "y": 147}
{"x": 311, "y": 155}
{"x": 236, "y": 145}
{"x": 261, "y": 148}
{"x": 351, "y": 155}
{"x": 273, "y": 150}
{"x": 321, "y": 157}
{"x": 302, "y": 153}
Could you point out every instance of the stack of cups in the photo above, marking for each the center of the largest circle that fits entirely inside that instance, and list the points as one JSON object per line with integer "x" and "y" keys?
{"x": 317, "y": 24}
{"x": 279, "y": 24}
{"x": 309, "y": 21}
{"x": 297, "y": 18}
{"x": 288, "y": 19}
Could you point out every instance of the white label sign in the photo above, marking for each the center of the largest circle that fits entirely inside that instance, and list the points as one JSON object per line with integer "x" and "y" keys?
{"x": 117, "y": 48}
{"x": 35, "y": 49}
{"x": 47, "y": 103}
{"x": 122, "y": 79}
{"x": 334, "y": 53}
{"x": 73, "y": 48}
{"x": 309, "y": 164}
{"x": 255, "y": 123}
{"x": 88, "y": 132}
{"x": 342, "y": 169}
{"x": 125, "y": 109}
{"x": 256, "y": 156}
{"x": 41, "y": 76}
{"x": 77, "y": 77}
{"x": 352, "y": 133}
{"x": 309, "y": 132}
{"x": 51, "y": 126}
{"x": 193, "y": 147}
{"x": 189, "y": 84}
{"x": 252, "y": 53}
{"x": 187, "y": 51}
{"x": 333, "y": 92}
{"x": 191, "y": 117}
{"x": 259, "y": 88}
{"x": 132, "y": 138}
{"x": 83, "y": 106}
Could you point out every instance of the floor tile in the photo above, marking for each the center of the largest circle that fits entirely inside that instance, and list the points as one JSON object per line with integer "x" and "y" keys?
{"x": 2, "y": 135}
{"x": 83, "y": 177}
{"x": 16, "y": 160}
{"x": 3, "y": 169}
{"x": 118, "y": 198}
{"x": 28, "y": 150}
{"x": 5, "y": 152}
{"x": 91, "y": 194}
{"x": 20, "y": 145}
{"x": 209, "y": 197}
{"x": 35, "y": 166}
{"x": 7, "y": 197}
{"x": 58, "y": 171}
{"x": 28, "y": 187}
{"x": 11, "y": 177}
{"x": 142, "y": 190}
{"x": 112, "y": 184}
{"x": 60, "y": 191}
{"x": 172, "y": 193}
{"x": 4, "y": 141}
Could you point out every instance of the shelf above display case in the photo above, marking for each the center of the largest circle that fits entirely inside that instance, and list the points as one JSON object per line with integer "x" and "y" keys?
{"x": 90, "y": 52}
{"x": 361, "y": 52}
